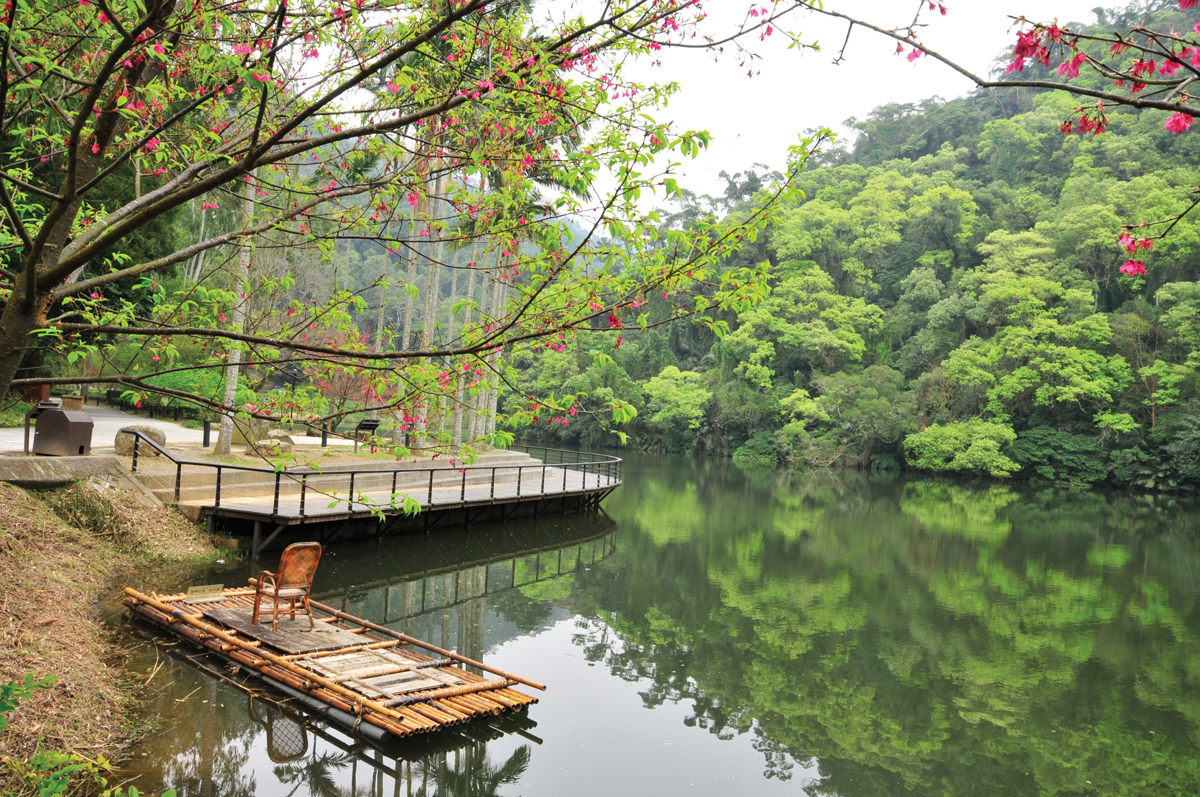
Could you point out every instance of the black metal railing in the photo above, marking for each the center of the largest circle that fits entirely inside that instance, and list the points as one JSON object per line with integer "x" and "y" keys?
{"x": 605, "y": 469}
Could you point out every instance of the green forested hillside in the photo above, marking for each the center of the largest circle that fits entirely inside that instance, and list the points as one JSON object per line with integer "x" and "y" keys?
{"x": 946, "y": 297}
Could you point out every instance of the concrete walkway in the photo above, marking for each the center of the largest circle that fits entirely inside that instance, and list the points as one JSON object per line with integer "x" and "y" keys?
{"x": 109, "y": 421}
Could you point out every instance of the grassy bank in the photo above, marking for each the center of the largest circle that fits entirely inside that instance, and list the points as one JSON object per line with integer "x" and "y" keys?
{"x": 59, "y": 551}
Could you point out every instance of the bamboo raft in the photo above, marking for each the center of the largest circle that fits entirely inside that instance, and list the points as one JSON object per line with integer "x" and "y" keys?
{"x": 360, "y": 671}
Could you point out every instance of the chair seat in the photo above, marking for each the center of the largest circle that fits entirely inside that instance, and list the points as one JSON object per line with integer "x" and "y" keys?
{"x": 286, "y": 592}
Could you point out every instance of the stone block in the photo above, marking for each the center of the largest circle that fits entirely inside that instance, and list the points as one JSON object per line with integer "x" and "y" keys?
{"x": 123, "y": 442}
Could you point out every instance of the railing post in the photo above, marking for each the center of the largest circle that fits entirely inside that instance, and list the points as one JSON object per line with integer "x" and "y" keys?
{"x": 137, "y": 438}
{"x": 394, "y": 486}
{"x": 351, "y": 506}
{"x": 218, "y": 501}
{"x": 178, "y": 478}
{"x": 520, "y": 468}
{"x": 462, "y": 497}
{"x": 275, "y": 506}
{"x": 492, "y": 491}
{"x": 207, "y": 432}
{"x": 303, "y": 488}
{"x": 429, "y": 495}
{"x": 564, "y": 483}
{"x": 543, "y": 490}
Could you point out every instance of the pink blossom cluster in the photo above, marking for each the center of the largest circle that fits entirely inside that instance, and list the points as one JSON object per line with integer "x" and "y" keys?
{"x": 1131, "y": 244}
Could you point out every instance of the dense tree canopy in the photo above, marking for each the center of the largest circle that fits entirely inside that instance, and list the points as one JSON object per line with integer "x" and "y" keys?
{"x": 947, "y": 293}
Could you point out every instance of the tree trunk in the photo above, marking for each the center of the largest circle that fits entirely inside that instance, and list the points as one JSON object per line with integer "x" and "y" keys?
{"x": 194, "y": 273}
{"x": 233, "y": 358}
{"x": 379, "y": 336}
{"x": 18, "y": 321}
{"x": 432, "y": 294}
{"x": 494, "y": 404}
{"x": 410, "y": 278}
{"x": 486, "y": 300}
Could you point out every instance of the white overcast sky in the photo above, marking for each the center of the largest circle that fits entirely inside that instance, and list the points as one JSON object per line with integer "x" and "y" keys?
{"x": 754, "y": 120}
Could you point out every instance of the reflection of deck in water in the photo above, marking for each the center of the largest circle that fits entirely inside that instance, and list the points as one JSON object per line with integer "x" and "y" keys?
{"x": 445, "y": 602}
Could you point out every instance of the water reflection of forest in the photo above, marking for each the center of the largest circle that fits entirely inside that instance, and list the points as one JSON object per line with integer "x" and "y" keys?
{"x": 913, "y": 637}
{"x": 897, "y": 637}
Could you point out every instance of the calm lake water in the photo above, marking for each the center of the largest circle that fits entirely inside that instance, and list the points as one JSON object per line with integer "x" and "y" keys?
{"x": 720, "y": 632}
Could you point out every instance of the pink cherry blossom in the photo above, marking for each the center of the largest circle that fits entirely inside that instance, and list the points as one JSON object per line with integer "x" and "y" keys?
{"x": 1178, "y": 123}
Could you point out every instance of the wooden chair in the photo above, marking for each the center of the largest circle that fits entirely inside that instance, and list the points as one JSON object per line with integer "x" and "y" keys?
{"x": 292, "y": 584}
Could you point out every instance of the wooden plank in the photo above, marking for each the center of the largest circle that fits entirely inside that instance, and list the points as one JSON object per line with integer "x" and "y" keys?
{"x": 294, "y": 636}
{"x": 412, "y": 685}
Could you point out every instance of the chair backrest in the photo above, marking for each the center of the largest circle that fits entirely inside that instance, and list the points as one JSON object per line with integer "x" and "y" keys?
{"x": 298, "y": 564}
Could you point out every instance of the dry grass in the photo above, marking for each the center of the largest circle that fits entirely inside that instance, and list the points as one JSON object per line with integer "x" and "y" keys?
{"x": 132, "y": 527}
{"x": 59, "y": 551}
{"x": 50, "y": 625}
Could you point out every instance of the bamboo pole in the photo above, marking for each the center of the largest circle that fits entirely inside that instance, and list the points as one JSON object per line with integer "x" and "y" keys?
{"x": 450, "y": 691}
{"x": 362, "y": 701}
{"x": 418, "y": 643}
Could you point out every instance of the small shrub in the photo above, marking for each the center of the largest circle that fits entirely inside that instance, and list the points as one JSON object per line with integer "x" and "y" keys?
{"x": 88, "y": 510}
{"x": 760, "y": 450}
{"x": 1054, "y": 456}
{"x": 971, "y": 447}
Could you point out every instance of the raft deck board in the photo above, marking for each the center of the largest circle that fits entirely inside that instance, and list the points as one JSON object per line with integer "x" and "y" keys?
{"x": 294, "y": 636}
{"x": 372, "y": 674}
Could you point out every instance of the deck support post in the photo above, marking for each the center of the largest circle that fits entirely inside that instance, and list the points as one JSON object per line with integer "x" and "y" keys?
{"x": 326, "y": 540}
{"x": 386, "y": 528}
{"x": 430, "y": 525}
{"x": 258, "y": 547}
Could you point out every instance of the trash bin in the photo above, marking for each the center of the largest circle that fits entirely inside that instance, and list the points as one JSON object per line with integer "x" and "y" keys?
{"x": 36, "y": 393}
{"x": 63, "y": 433}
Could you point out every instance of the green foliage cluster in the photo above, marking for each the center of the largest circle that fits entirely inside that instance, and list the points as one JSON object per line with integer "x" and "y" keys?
{"x": 945, "y": 293}
{"x": 49, "y": 773}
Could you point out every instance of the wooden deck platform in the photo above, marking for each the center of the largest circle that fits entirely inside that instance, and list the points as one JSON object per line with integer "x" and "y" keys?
{"x": 499, "y": 483}
{"x": 367, "y": 672}
{"x": 335, "y": 504}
